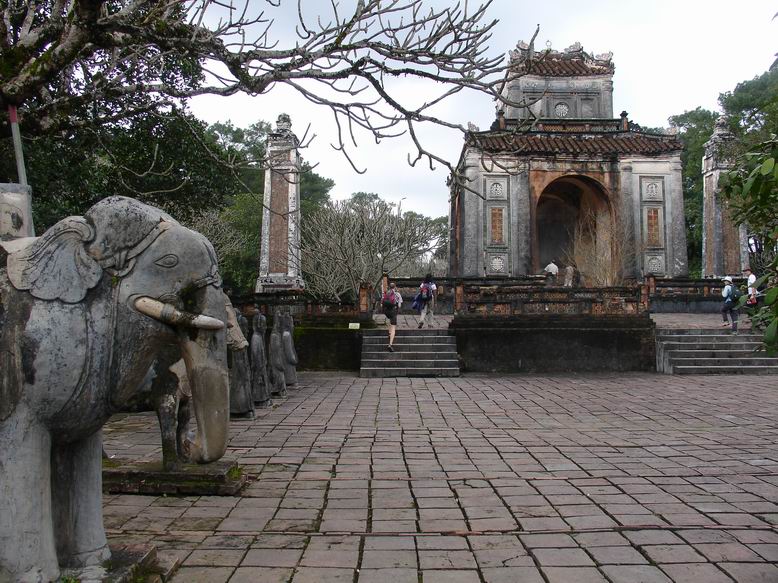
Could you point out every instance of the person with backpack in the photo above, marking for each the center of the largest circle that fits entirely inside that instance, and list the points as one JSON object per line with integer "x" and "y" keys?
{"x": 391, "y": 301}
{"x": 426, "y": 300}
{"x": 731, "y": 294}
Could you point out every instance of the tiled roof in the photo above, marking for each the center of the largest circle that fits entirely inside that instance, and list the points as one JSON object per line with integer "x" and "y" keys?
{"x": 573, "y": 61}
{"x": 556, "y": 65}
{"x": 625, "y": 142}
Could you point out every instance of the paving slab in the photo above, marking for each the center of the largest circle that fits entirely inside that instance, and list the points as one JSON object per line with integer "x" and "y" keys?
{"x": 483, "y": 478}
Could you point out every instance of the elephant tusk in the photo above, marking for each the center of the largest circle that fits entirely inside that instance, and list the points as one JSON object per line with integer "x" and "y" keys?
{"x": 171, "y": 315}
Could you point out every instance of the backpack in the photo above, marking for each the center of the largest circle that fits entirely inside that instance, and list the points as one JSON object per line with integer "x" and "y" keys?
{"x": 426, "y": 293}
{"x": 389, "y": 300}
{"x": 736, "y": 293}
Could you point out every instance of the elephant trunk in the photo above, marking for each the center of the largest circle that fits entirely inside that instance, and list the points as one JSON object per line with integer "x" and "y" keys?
{"x": 205, "y": 356}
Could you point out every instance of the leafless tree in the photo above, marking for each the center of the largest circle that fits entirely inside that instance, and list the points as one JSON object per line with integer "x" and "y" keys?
{"x": 70, "y": 62}
{"x": 226, "y": 240}
{"x": 601, "y": 249}
{"x": 346, "y": 243}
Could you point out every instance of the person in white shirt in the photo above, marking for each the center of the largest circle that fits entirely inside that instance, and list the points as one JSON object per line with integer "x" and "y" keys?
{"x": 751, "y": 280}
{"x": 551, "y": 270}
{"x": 730, "y": 305}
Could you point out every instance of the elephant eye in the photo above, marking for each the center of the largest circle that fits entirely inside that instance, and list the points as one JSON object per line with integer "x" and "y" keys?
{"x": 169, "y": 260}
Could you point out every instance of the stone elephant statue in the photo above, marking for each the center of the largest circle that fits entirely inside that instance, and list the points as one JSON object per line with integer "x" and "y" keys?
{"x": 84, "y": 309}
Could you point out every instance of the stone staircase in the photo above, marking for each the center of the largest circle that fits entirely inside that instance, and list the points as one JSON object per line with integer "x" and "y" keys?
{"x": 417, "y": 353}
{"x": 711, "y": 351}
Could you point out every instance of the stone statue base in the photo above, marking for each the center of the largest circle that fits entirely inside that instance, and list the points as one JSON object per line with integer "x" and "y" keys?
{"x": 222, "y": 478}
{"x": 128, "y": 563}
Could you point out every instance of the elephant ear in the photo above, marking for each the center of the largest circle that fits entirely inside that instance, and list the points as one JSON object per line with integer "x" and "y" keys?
{"x": 56, "y": 266}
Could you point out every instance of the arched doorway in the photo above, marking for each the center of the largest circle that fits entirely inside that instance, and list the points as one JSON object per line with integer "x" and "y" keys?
{"x": 574, "y": 224}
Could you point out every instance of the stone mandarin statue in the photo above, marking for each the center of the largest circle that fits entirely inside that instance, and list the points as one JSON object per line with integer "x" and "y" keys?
{"x": 241, "y": 400}
{"x": 290, "y": 354}
{"x": 259, "y": 377}
{"x": 84, "y": 310}
{"x": 277, "y": 356}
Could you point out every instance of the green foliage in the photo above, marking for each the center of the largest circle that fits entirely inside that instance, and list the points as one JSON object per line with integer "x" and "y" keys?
{"x": 752, "y": 187}
{"x": 235, "y": 472}
{"x": 753, "y": 107}
{"x": 169, "y": 161}
{"x": 244, "y": 216}
{"x": 314, "y": 190}
{"x": 245, "y": 150}
{"x": 695, "y": 128}
{"x": 364, "y": 199}
{"x": 752, "y": 190}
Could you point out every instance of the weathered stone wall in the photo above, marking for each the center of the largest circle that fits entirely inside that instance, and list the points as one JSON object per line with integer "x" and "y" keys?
{"x": 652, "y": 192}
{"x": 555, "y": 343}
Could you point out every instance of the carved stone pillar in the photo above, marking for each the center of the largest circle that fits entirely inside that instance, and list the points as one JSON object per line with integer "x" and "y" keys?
{"x": 279, "y": 260}
{"x": 724, "y": 244}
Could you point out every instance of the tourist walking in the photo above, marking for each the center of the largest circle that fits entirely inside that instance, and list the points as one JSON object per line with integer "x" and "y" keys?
{"x": 751, "y": 283}
{"x": 730, "y": 304}
{"x": 392, "y": 301}
{"x": 426, "y": 299}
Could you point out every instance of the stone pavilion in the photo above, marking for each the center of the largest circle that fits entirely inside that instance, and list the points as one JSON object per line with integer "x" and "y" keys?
{"x": 544, "y": 172}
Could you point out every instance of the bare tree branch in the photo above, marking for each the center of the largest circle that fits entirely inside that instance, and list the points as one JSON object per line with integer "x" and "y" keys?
{"x": 346, "y": 243}
{"x": 64, "y": 58}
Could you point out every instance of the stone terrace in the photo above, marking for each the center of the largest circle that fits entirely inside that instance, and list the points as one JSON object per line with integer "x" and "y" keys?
{"x": 482, "y": 479}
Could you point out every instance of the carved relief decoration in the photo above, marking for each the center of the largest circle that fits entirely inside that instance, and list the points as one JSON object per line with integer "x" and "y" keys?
{"x": 655, "y": 264}
{"x": 495, "y": 190}
{"x": 652, "y": 188}
{"x": 497, "y": 264}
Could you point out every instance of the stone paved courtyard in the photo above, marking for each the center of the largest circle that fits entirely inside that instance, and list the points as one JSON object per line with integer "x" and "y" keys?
{"x": 491, "y": 479}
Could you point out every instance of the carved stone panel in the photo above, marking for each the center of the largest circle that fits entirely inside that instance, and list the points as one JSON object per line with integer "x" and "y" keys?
{"x": 497, "y": 188}
{"x": 497, "y": 264}
{"x": 652, "y": 188}
{"x": 654, "y": 263}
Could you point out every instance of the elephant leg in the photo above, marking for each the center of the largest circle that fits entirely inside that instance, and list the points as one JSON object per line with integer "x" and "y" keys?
{"x": 27, "y": 550}
{"x": 182, "y": 431}
{"x": 77, "y": 502}
{"x": 167, "y": 411}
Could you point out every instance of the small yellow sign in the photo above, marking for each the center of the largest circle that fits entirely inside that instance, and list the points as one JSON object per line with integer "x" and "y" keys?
{"x": 353, "y": 325}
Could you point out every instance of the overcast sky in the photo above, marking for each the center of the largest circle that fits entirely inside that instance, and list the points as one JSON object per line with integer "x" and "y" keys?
{"x": 670, "y": 56}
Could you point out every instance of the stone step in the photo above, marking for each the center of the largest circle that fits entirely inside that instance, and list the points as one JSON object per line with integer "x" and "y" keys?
{"x": 751, "y": 361}
{"x": 430, "y": 341}
{"x": 760, "y": 370}
{"x": 373, "y": 372}
{"x": 695, "y": 331}
{"x": 401, "y": 363}
{"x": 710, "y": 337}
{"x": 409, "y": 356}
{"x": 407, "y": 332}
{"x": 734, "y": 345}
{"x": 719, "y": 353}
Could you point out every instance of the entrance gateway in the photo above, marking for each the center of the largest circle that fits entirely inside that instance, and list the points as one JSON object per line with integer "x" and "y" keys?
{"x": 578, "y": 183}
